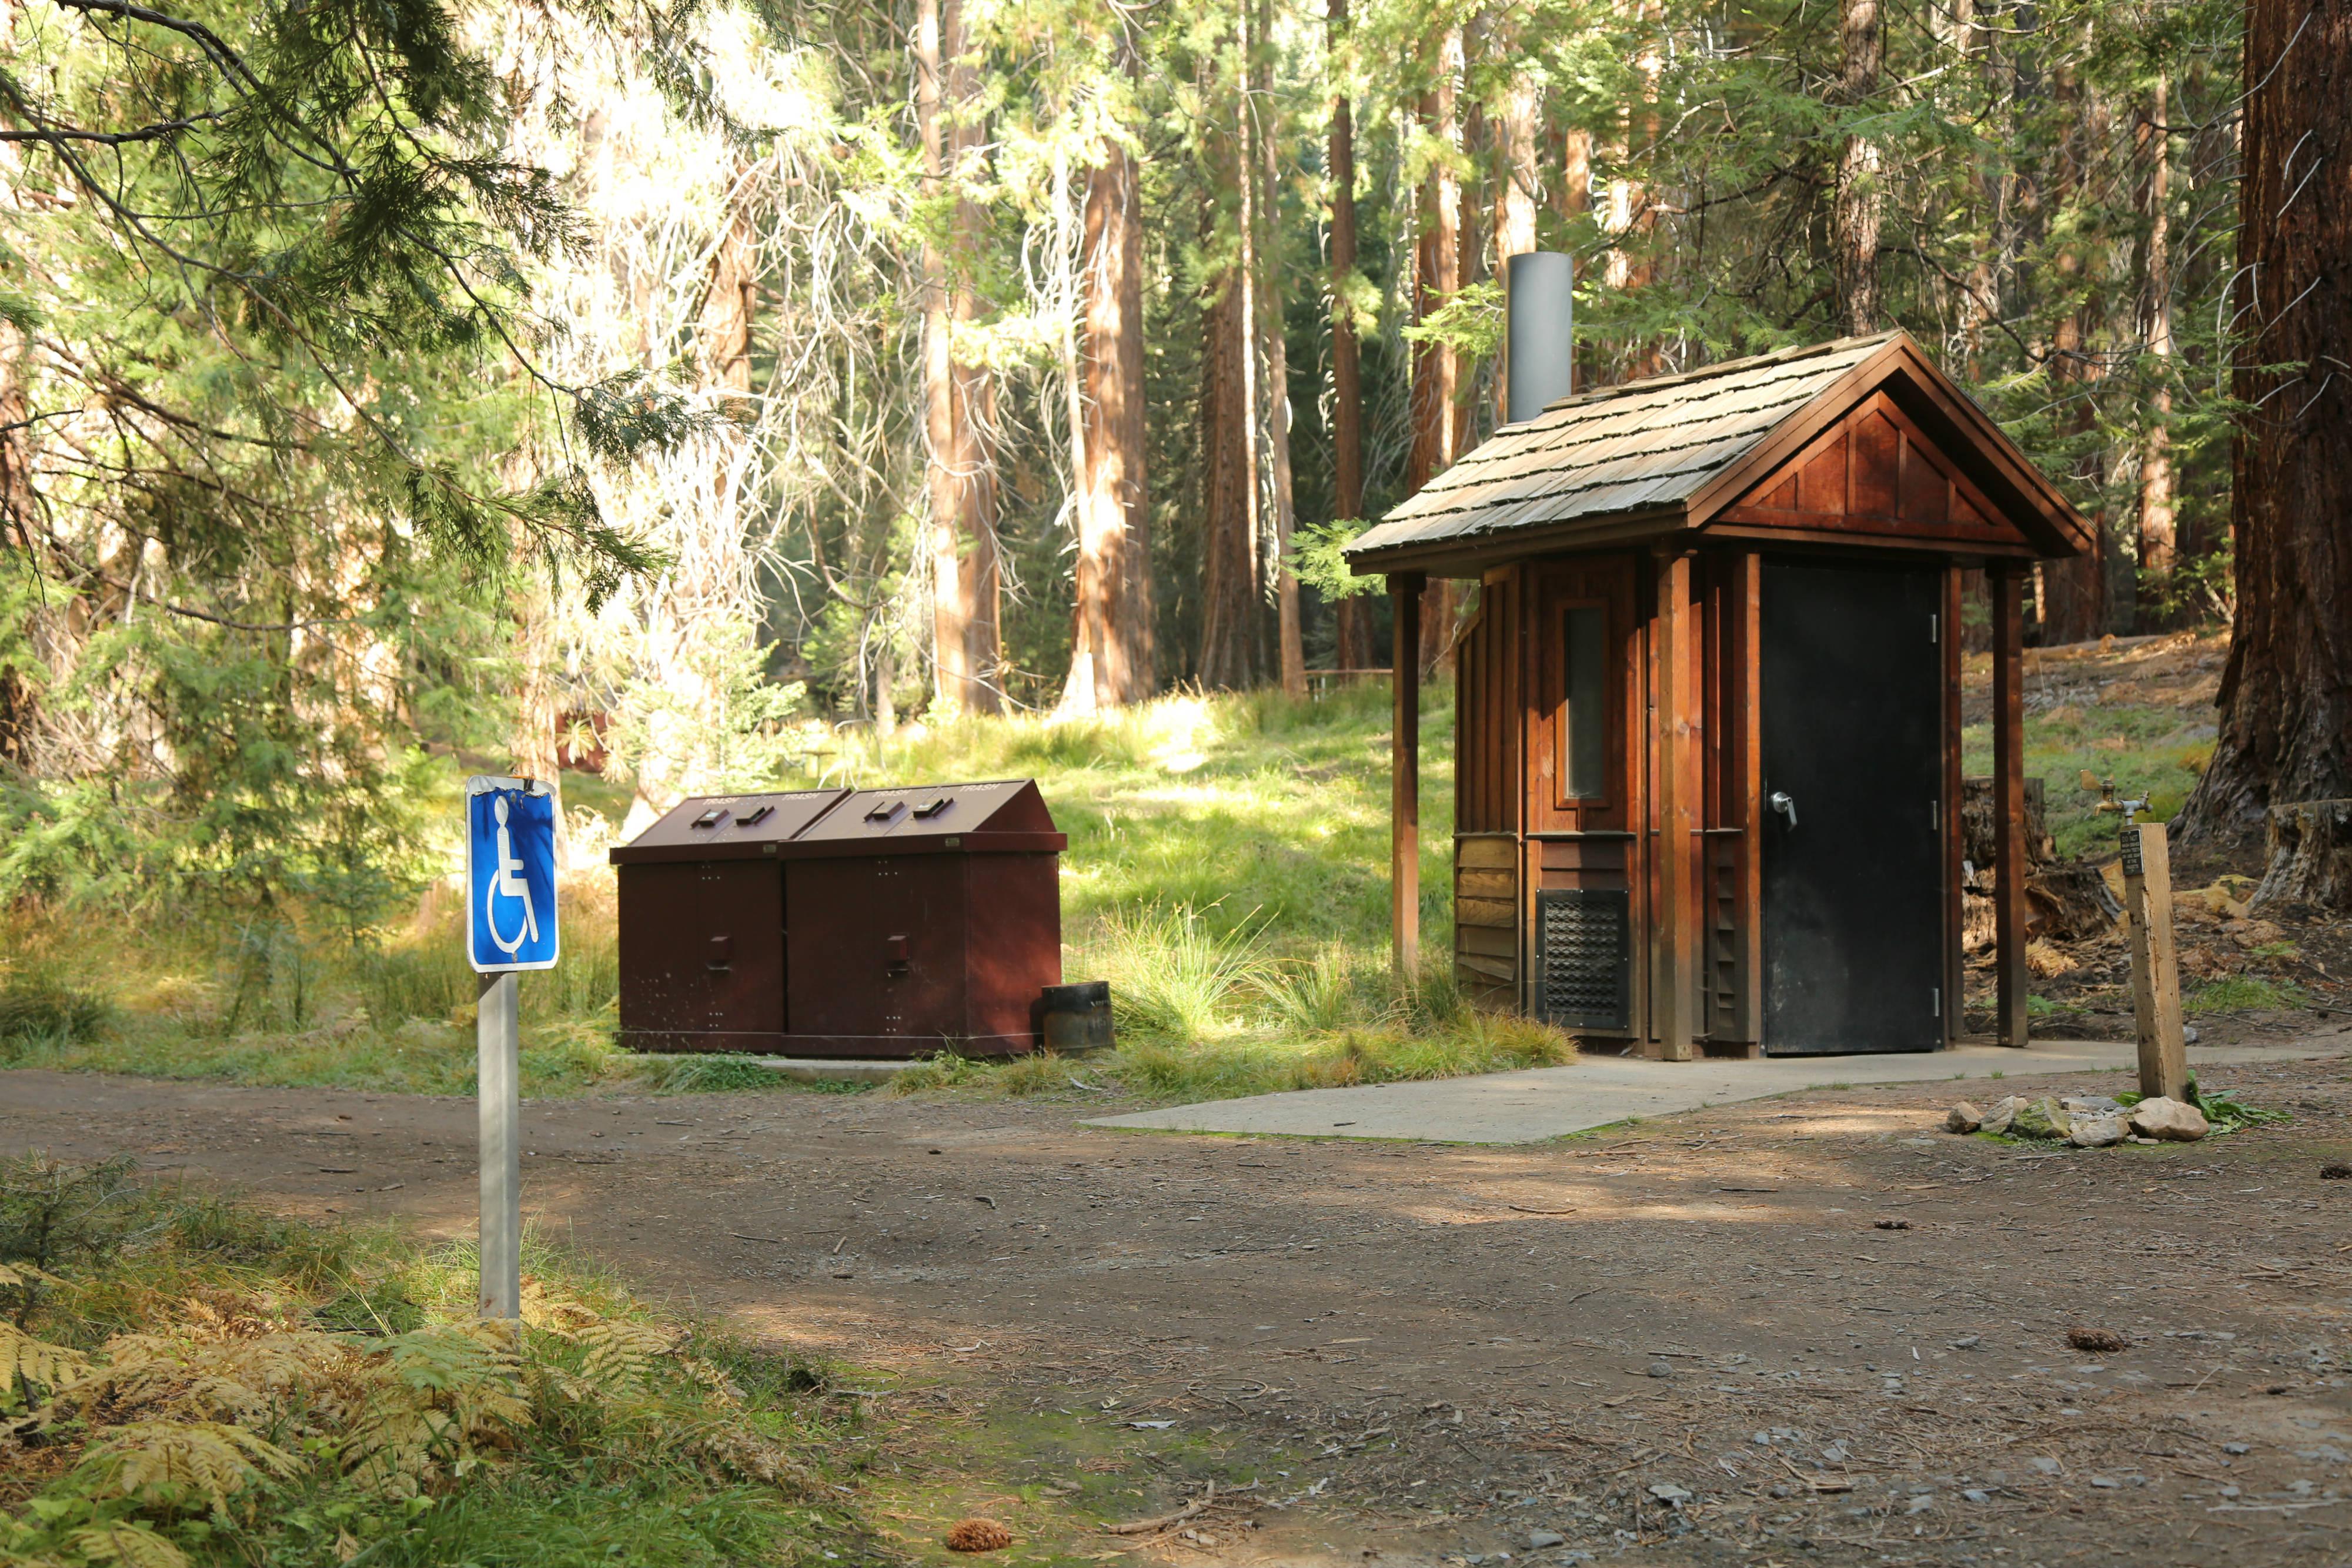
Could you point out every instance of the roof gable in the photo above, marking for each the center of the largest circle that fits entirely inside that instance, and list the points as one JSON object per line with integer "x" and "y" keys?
{"x": 1873, "y": 474}
{"x": 1672, "y": 453}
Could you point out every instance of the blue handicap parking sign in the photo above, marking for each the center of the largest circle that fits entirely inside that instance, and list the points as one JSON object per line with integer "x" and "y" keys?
{"x": 510, "y": 874}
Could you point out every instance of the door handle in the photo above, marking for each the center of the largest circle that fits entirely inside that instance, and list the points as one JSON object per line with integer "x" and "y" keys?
{"x": 1781, "y": 803}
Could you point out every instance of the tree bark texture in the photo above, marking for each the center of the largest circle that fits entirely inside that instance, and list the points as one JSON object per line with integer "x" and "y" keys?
{"x": 2286, "y": 693}
{"x": 1436, "y": 369}
{"x": 1517, "y": 178}
{"x": 2157, "y": 533}
{"x": 1572, "y": 198}
{"x": 1264, "y": 127}
{"x": 1354, "y": 617}
{"x": 1858, "y": 202}
{"x": 1114, "y": 656}
{"x": 2073, "y": 590}
{"x": 957, "y": 399}
{"x": 1233, "y": 606}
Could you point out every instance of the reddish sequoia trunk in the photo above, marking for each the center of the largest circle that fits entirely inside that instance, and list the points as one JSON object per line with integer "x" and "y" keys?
{"x": 1232, "y": 608}
{"x": 1112, "y": 662}
{"x": 2286, "y": 693}
{"x": 1355, "y": 649}
{"x": 1262, "y": 125}
{"x": 959, "y": 399}
{"x": 1435, "y": 366}
{"x": 1855, "y": 215}
{"x": 2156, "y": 532}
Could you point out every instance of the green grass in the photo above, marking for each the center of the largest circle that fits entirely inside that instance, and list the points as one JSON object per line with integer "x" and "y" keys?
{"x": 1251, "y": 809}
{"x": 2242, "y": 993}
{"x": 1227, "y": 872}
{"x": 2133, "y": 716}
{"x": 277, "y": 1367}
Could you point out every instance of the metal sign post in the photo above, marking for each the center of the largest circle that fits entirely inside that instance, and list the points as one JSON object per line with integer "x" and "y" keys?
{"x": 510, "y": 926}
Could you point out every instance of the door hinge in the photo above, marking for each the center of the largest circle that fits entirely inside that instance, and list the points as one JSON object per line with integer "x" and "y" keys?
{"x": 1935, "y": 816}
{"x": 1935, "y": 1001}
{"x": 1933, "y": 631}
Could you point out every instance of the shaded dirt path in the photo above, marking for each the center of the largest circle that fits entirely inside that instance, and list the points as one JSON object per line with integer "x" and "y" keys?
{"x": 1806, "y": 1329}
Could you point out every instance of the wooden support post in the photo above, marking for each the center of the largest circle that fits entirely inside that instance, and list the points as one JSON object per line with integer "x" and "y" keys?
{"x": 2009, "y": 801}
{"x": 1745, "y": 603}
{"x": 1673, "y": 968}
{"x": 2156, "y": 970}
{"x": 1404, "y": 779}
{"x": 1954, "y": 845}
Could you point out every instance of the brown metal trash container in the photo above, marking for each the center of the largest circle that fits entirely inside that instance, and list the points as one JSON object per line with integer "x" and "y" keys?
{"x": 841, "y": 923}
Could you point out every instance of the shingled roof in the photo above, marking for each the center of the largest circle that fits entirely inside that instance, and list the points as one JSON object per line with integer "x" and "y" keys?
{"x": 1650, "y": 456}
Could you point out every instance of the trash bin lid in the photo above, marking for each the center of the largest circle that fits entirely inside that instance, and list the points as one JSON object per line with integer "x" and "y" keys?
{"x": 1001, "y": 816}
{"x": 729, "y": 827}
{"x": 934, "y": 813}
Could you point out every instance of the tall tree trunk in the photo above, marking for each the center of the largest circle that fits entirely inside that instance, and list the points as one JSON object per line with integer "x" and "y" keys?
{"x": 2286, "y": 692}
{"x": 1631, "y": 212}
{"x": 1112, "y": 662}
{"x": 2074, "y": 591}
{"x": 1855, "y": 216}
{"x": 1572, "y": 198}
{"x": 1518, "y": 177}
{"x": 1261, "y": 122}
{"x": 957, "y": 399}
{"x": 1354, "y": 614}
{"x": 1231, "y": 598}
{"x": 2157, "y": 544}
{"x": 1436, "y": 370}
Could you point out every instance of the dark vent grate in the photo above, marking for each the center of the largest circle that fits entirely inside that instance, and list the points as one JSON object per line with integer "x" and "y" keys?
{"x": 1586, "y": 957}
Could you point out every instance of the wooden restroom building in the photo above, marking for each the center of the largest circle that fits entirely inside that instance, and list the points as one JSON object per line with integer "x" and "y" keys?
{"x": 1708, "y": 754}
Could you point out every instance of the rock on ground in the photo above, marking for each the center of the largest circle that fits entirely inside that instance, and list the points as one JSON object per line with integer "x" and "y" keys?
{"x": 2168, "y": 1119}
{"x": 2096, "y": 1129}
{"x": 2043, "y": 1118}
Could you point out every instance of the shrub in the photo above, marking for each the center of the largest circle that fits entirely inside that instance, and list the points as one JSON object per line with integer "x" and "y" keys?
{"x": 41, "y": 1006}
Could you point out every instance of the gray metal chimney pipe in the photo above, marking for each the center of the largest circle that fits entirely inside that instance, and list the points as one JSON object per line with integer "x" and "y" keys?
{"x": 1540, "y": 310}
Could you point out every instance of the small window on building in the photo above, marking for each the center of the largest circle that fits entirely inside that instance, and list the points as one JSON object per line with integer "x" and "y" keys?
{"x": 1583, "y": 719}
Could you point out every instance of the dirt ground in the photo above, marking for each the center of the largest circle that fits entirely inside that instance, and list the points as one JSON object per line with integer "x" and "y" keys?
{"x": 1807, "y": 1330}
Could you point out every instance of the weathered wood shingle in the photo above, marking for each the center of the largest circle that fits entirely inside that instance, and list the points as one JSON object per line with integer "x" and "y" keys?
{"x": 1622, "y": 451}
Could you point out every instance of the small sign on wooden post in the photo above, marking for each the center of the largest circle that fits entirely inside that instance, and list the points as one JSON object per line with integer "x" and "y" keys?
{"x": 2155, "y": 969}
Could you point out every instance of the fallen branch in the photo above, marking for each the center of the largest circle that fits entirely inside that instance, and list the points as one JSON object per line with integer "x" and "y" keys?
{"x": 1198, "y": 1506}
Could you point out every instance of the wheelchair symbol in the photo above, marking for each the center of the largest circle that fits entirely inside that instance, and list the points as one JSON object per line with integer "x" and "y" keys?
{"x": 510, "y": 882}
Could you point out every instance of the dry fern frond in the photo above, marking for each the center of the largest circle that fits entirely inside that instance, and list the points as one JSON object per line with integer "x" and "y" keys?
{"x": 621, "y": 1352}
{"x": 249, "y": 1381}
{"x": 543, "y": 1309}
{"x": 749, "y": 1457}
{"x": 25, "y": 1360}
{"x": 131, "y": 1545}
{"x": 163, "y": 1460}
{"x": 723, "y": 1388}
{"x": 17, "y": 1276}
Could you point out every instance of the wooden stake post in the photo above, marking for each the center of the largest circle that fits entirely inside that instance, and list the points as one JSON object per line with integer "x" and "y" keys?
{"x": 2156, "y": 970}
{"x": 1405, "y": 780}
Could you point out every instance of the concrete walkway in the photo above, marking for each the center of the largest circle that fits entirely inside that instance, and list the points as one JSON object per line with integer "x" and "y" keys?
{"x": 1596, "y": 1091}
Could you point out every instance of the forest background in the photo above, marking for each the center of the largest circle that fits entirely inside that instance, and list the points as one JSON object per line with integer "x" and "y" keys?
{"x": 674, "y": 385}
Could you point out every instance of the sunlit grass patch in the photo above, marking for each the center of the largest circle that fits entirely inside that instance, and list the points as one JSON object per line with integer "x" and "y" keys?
{"x": 2242, "y": 993}
{"x": 1228, "y": 872}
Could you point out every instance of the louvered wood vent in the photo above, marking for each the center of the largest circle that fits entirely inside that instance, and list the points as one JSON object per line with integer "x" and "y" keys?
{"x": 1587, "y": 956}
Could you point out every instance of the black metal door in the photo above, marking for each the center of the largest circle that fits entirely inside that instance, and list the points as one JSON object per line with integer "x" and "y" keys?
{"x": 1852, "y": 719}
